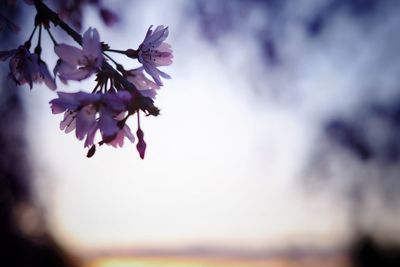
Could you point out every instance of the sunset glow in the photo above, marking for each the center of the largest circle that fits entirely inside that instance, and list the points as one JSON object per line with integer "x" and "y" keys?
{"x": 195, "y": 262}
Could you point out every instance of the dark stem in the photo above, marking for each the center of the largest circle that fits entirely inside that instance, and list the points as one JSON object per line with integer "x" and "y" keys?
{"x": 105, "y": 85}
{"x": 115, "y": 51}
{"x": 38, "y": 48}
{"x": 53, "y": 17}
{"x": 40, "y": 36}
{"x": 52, "y": 37}
{"x": 110, "y": 58}
{"x": 95, "y": 88}
{"x": 31, "y": 36}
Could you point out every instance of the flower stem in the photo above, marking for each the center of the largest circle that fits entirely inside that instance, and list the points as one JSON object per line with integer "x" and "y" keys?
{"x": 115, "y": 51}
{"x": 51, "y": 36}
{"x": 33, "y": 32}
{"x": 110, "y": 58}
{"x": 38, "y": 48}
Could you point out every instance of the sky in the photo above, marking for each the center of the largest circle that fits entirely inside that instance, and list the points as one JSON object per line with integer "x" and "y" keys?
{"x": 226, "y": 157}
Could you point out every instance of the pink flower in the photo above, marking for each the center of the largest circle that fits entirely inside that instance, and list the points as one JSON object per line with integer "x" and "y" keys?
{"x": 154, "y": 52}
{"x": 142, "y": 83}
{"x": 26, "y": 67}
{"x": 79, "y": 112}
{"x": 87, "y": 113}
{"x": 78, "y": 64}
{"x": 109, "y": 107}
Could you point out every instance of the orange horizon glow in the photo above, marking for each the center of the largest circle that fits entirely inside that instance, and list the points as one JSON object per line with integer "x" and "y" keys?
{"x": 337, "y": 261}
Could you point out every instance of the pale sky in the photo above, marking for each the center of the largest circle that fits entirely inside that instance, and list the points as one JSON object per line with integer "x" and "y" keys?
{"x": 223, "y": 165}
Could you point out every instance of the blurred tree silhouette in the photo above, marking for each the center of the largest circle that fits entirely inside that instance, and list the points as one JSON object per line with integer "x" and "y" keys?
{"x": 18, "y": 248}
{"x": 24, "y": 238}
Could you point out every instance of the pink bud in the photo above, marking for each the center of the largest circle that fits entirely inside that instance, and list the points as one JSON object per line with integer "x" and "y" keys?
{"x": 141, "y": 145}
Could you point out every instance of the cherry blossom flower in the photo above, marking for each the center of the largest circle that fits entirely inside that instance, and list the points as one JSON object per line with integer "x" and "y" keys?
{"x": 27, "y": 67}
{"x": 23, "y": 65}
{"x": 87, "y": 113}
{"x": 154, "y": 52}
{"x": 146, "y": 86}
{"x": 79, "y": 111}
{"x": 78, "y": 64}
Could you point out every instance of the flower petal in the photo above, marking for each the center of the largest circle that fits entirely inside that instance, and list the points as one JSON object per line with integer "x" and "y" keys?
{"x": 66, "y": 73}
{"x": 87, "y": 98}
{"x": 91, "y": 135}
{"x": 85, "y": 120}
{"x": 108, "y": 125}
{"x": 153, "y": 72}
{"x": 157, "y": 37}
{"x": 69, "y": 54}
{"x": 69, "y": 122}
{"x": 46, "y": 76}
{"x": 64, "y": 102}
{"x": 91, "y": 44}
{"x": 129, "y": 134}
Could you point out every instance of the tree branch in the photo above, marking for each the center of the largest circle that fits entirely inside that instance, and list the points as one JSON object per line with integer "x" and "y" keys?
{"x": 144, "y": 103}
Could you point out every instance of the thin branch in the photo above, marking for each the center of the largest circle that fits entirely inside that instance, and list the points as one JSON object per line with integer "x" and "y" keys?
{"x": 53, "y": 17}
{"x": 145, "y": 103}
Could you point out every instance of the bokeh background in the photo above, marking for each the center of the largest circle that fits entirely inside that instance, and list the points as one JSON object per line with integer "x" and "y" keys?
{"x": 278, "y": 142}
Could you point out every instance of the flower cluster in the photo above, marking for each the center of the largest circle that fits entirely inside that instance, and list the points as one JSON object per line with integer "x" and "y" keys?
{"x": 118, "y": 93}
{"x": 88, "y": 113}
